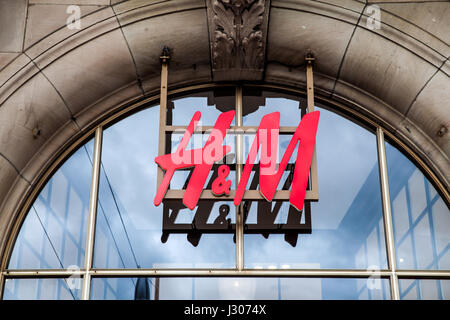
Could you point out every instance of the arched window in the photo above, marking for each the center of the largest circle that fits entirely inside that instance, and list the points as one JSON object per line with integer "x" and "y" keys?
{"x": 335, "y": 248}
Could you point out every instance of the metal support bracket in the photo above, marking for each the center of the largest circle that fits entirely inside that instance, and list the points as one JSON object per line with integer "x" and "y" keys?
{"x": 314, "y": 180}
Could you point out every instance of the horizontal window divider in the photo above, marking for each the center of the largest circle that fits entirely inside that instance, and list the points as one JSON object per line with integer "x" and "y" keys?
{"x": 231, "y": 130}
{"x": 248, "y": 195}
{"x": 298, "y": 273}
{"x": 50, "y": 273}
{"x": 423, "y": 274}
{"x": 120, "y": 273}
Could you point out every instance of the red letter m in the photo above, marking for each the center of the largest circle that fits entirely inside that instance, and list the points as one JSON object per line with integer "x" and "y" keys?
{"x": 267, "y": 137}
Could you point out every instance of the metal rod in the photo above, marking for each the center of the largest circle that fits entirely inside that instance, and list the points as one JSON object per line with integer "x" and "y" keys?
{"x": 288, "y": 130}
{"x": 309, "y": 84}
{"x": 386, "y": 202}
{"x": 162, "y": 113}
{"x": 240, "y": 273}
{"x": 2, "y": 284}
{"x": 90, "y": 236}
{"x": 314, "y": 180}
{"x": 357, "y": 273}
{"x": 395, "y": 292}
{"x": 49, "y": 273}
{"x": 423, "y": 274}
{"x": 239, "y": 163}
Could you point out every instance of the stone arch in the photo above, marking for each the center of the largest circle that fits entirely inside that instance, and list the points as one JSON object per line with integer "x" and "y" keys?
{"x": 56, "y": 83}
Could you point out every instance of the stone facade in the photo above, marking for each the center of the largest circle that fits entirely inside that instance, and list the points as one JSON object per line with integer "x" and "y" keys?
{"x": 56, "y": 82}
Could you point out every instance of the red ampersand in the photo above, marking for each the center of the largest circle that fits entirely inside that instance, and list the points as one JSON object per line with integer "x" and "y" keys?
{"x": 220, "y": 185}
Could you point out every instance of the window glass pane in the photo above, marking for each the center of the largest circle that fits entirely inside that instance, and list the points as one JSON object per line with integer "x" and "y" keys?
{"x": 347, "y": 229}
{"x": 257, "y": 103}
{"x": 53, "y": 234}
{"x": 211, "y": 104}
{"x": 421, "y": 219}
{"x": 42, "y": 289}
{"x": 240, "y": 288}
{"x": 130, "y": 232}
{"x": 424, "y": 289}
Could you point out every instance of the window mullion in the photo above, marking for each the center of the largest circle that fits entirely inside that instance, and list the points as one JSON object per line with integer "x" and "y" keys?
{"x": 93, "y": 200}
{"x": 239, "y": 162}
{"x": 2, "y": 282}
{"x": 387, "y": 215}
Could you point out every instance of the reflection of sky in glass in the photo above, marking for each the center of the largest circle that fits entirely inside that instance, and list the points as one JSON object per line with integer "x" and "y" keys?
{"x": 347, "y": 228}
{"x": 129, "y": 225}
{"x": 421, "y": 220}
{"x": 424, "y": 289}
{"x": 53, "y": 235}
{"x": 210, "y": 105}
{"x": 245, "y": 289}
{"x": 186, "y": 107}
{"x": 289, "y": 109}
{"x": 39, "y": 289}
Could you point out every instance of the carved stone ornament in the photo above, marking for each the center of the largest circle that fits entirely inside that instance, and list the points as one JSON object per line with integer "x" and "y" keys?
{"x": 238, "y": 33}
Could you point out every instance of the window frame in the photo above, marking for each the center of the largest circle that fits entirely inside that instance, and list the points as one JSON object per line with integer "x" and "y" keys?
{"x": 96, "y": 131}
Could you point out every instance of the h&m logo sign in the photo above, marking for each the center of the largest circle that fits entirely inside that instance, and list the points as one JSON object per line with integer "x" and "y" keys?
{"x": 265, "y": 142}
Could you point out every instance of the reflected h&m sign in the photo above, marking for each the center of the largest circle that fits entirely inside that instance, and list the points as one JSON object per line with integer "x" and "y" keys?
{"x": 265, "y": 143}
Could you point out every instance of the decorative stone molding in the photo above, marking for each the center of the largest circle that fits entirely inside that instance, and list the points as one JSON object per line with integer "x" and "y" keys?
{"x": 238, "y": 34}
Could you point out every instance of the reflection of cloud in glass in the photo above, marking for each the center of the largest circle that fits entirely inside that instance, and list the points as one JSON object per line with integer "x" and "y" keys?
{"x": 346, "y": 161}
{"x": 126, "y": 194}
{"x": 289, "y": 109}
{"x": 346, "y": 155}
{"x": 184, "y": 109}
{"x": 348, "y": 211}
{"x": 129, "y": 149}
